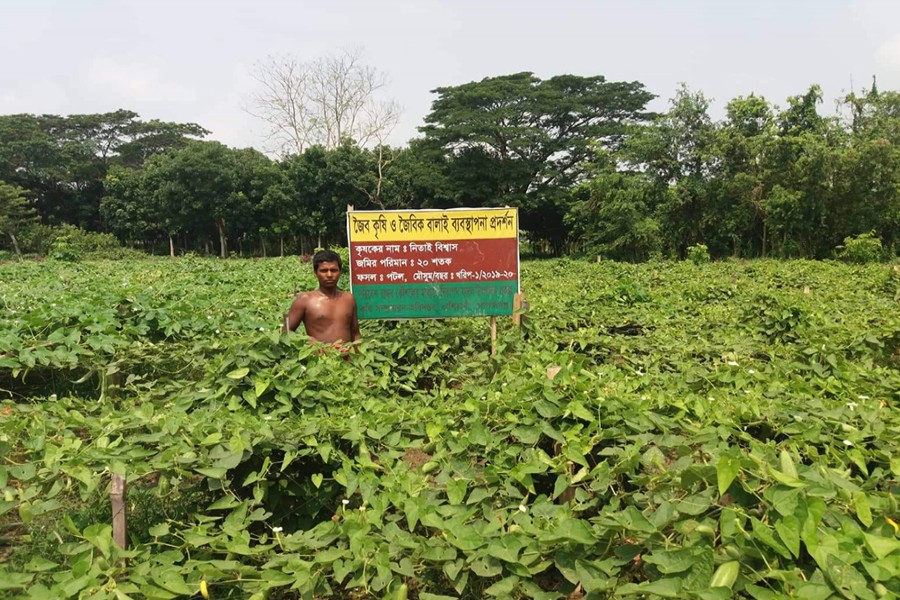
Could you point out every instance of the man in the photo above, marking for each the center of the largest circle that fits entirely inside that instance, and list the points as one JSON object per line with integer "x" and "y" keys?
{"x": 327, "y": 314}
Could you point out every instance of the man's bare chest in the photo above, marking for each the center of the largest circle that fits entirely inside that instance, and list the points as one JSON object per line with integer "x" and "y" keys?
{"x": 327, "y": 310}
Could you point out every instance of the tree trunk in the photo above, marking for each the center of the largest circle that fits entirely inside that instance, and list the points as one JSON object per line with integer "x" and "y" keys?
{"x": 171, "y": 246}
{"x": 223, "y": 241}
{"x": 262, "y": 242}
{"x": 282, "y": 247}
{"x": 15, "y": 244}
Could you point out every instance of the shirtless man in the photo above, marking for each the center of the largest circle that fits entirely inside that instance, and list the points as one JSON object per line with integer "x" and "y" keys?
{"x": 328, "y": 314}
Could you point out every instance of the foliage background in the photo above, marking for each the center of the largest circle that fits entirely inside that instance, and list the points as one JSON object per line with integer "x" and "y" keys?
{"x": 720, "y": 429}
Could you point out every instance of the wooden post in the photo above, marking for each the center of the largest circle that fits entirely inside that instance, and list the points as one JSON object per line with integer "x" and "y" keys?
{"x": 493, "y": 336}
{"x": 599, "y": 258}
{"x": 518, "y": 301}
{"x": 119, "y": 514}
{"x": 568, "y": 494}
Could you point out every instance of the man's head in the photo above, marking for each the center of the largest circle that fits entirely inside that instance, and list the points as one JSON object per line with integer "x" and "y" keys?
{"x": 326, "y": 256}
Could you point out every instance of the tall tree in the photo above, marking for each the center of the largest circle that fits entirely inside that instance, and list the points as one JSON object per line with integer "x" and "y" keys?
{"x": 613, "y": 212}
{"x": 15, "y": 213}
{"x": 322, "y": 102}
{"x": 743, "y": 144}
{"x": 678, "y": 151}
{"x": 530, "y": 138}
{"x": 62, "y": 161}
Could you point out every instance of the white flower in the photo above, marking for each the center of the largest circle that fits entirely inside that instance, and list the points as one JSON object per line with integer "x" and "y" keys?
{"x": 362, "y": 509}
{"x": 732, "y": 363}
{"x": 345, "y": 502}
{"x": 639, "y": 373}
{"x": 852, "y": 405}
{"x": 218, "y": 332}
{"x": 262, "y": 328}
{"x": 751, "y": 371}
{"x": 523, "y": 508}
{"x": 862, "y": 397}
{"x": 848, "y": 443}
{"x": 209, "y": 317}
{"x": 277, "y": 529}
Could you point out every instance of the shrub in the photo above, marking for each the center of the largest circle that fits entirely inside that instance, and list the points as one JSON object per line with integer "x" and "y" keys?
{"x": 698, "y": 254}
{"x": 71, "y": 243}
{"x": 862, "y": 249}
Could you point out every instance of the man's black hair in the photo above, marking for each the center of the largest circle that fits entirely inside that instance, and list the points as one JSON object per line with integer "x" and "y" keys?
{"x": 326, "y": 256}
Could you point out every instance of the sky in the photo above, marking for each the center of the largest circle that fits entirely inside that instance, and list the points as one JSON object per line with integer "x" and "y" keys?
{"x": 191, "y": 60}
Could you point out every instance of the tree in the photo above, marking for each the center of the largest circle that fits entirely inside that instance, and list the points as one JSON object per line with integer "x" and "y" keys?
{"x": 14, "y": 213}
{"x": 322, "y": 102}
{"x": 193, "y": 190}
{"x": 126, "y": 206}
{"x": 678, "y": 151}
{"x": 530, "y": 139}
{"x": 612, "y": 213}
{"x": 744, "y": 142}
{"x": 62, "y": 161}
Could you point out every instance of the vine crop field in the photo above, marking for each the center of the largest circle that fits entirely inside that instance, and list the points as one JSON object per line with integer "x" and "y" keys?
{"x": 713, "y": 431}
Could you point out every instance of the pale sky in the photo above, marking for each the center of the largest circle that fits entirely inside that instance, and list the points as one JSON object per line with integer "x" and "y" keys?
{"x": 189, "y": 60}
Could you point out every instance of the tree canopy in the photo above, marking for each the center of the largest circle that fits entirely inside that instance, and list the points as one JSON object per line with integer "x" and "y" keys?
{"x": 590, "y": 168}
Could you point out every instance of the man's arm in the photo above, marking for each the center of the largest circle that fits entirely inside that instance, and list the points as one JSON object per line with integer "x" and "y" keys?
{"x": 354, "y": 323}
{"x": 295, "y": 314}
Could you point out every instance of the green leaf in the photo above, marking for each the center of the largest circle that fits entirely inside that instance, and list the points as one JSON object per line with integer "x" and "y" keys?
{"x": 456, "y": 490}
{"x": 671, "y": 561}
{"x": 667, "y": 588}
{"x": 788, "y": 529}
{"x": 39, "y": 564}
{"x": 726, "y": 470}
{"x": 881, "y": 546}
{"x": 787, "y": 464}
{"x": 171, "y": 580}
{"x": 317, "y": 479}
{"x": 573, "y": 530}
{"x": 503, "y": 588}
{"x": 863, "y": 511}
{"x": 224, "y": 502}
{"x": 100, "y": 535}
{"x": 212, "y": 472}
{"x": 762, "y": 533}
{"x": 465, "y": 538}
{"x": 238, "y": 373}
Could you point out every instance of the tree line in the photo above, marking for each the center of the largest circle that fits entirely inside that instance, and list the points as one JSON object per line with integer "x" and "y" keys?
{"x": 590, "y": 168}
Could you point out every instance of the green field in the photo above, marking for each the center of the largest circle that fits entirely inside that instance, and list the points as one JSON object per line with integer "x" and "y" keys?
{"x": 714, "y": 431}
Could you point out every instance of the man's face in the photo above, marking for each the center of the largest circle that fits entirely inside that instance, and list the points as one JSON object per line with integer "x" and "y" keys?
{"x": 328, "y": 273}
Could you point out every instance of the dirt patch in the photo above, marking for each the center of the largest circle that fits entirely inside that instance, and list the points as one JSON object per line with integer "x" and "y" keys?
{"x": 415, "y": 458}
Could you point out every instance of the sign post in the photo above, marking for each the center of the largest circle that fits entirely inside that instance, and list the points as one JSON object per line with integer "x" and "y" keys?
{"x": 434, "y": 263}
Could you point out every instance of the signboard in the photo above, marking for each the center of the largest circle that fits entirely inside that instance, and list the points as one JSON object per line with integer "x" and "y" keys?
{"x": 434, "y": 263}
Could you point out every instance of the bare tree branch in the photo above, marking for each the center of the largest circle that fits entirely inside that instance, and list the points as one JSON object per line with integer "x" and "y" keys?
{"x": 321, "y": 102}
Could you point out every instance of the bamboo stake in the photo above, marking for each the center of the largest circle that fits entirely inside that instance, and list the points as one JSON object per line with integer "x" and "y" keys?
{"x": 493, "y": 336}
{"x": 568, "y": 494}
{"x": 518, "y": 300}
{"x": 119, "y": 515}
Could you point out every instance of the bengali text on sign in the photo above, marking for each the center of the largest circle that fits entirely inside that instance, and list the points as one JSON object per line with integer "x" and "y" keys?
{"x": 426, "y": 264}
